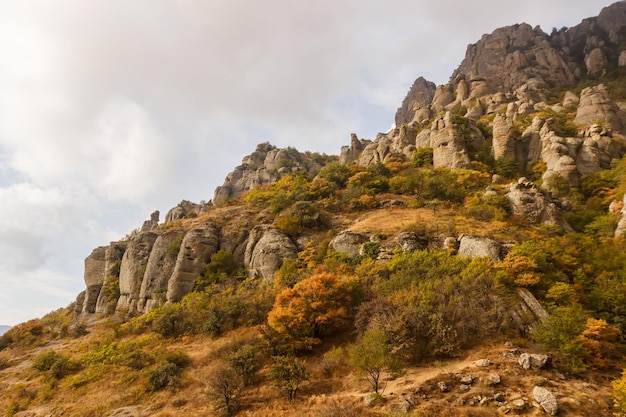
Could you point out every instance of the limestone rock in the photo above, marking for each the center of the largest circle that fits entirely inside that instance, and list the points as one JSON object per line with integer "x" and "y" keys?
{"x": 546, "y": 400}
{"x": 132, "y": 269}
{"x": 348, "y": 243}
{"x": 419, "y": 97}
{"x": 405, "y": 242}
{"x": 492, "y": 379}
{"x": 530, "y": 304}
{"x": 159, "y": 270}
{"x": 533, "y": 360}
{"x": 113, "y": 258}
{"x": 595, "y": 105}
{"x": 595, "y": 61}
{"x": 152, "y": 223}
{"x": 94, "y": 275}
{"x": 449, "y": 145}
{"x": 266, "y": 249}
{"x": 503, "y": 137}
{"x": 183, "y": 210}
{"x": 264, "y": 166}
{"x": 351, "y": 153}
{"x": 530, "y": 203}
{"x": 478, "y": 246}
{"x": 195, "y": 252}
{"x": 482, "y": 363}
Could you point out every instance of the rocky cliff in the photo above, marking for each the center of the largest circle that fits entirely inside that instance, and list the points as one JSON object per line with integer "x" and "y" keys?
{"x": 499, "y": 106}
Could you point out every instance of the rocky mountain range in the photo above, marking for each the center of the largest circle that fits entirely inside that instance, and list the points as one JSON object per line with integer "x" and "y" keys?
{"x": 499, "y": 105}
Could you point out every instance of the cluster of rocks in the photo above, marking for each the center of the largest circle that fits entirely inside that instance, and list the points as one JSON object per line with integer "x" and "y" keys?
{"x": 485, "y": 387}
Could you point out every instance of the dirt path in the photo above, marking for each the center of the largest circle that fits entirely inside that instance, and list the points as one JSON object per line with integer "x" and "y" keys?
{"x": 414, "y": 377}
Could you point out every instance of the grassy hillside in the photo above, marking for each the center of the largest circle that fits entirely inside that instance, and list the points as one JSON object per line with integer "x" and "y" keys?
{"x": 332, "y": 335}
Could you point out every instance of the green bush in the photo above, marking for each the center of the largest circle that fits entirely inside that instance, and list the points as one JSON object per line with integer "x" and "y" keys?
{"x": 54, "y": 364}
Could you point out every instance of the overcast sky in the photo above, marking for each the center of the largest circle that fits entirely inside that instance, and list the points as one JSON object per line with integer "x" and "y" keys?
{"x": 110, "y": 109}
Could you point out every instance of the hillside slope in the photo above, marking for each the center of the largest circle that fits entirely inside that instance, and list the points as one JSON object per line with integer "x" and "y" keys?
{"x": 414, "y": 273}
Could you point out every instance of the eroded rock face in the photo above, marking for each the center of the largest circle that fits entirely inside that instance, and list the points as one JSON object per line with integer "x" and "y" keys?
{"x": 132, "y": 269}
{"x": 158, "y": 270}
{"x": 266, "y": 250}
{"x": 195, "y": 252}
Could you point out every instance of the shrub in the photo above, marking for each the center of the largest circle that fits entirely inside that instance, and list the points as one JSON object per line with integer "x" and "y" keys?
{"x": 244, "y": 361}
{"x": 55, "y": 365}
{"x": 165, "y": 375}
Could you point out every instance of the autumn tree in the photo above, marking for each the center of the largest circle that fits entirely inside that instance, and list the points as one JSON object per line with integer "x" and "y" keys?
{"x": 312, "y": 308}
{"x": 600, "y": 340}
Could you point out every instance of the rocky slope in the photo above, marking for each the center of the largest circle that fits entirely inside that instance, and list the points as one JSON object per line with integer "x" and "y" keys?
{"x": 496, "y": 101}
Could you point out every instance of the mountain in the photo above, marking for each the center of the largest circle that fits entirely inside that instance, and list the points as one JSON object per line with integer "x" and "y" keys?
{"x": 478, "y": 245}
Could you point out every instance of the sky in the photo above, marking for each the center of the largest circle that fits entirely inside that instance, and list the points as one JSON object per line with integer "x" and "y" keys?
{"x": 112, "y": 109}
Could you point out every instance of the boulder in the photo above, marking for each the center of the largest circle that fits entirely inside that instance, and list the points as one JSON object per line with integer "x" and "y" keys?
{"x": 195, "y": 252}
{"x": 492, "y": 379}
{"x": 478, "y": 247}
{"x": 266, "y": 250}
{"x": 546, "y": 400}
{"x": 183, "y": 210}
{"x": 533, "y": 360}
{"x": 482, "y": 363}
{"x": 348, "y": 243}
{"x": 405, "y": 242}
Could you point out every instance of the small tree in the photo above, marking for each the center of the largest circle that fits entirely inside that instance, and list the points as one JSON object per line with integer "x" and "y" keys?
{"x": 244, "y": 362}
{"x": 373, "y": 356}
{"x": 287, "y": 374}
{"x": 224, "y": 387}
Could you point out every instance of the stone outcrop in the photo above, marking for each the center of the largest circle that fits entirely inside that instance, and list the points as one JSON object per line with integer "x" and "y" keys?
{"x": 596, "y": 106}
{"x": 158, "y": 270}
{"x": 94, "y": 275}
{"x": 266, "y": 250}
{"x": 529, "y": 202}
{"x": 113, "y": 259}
{"x": 184, "y": 210}
{"x": 195, "y": 252}
{"x": 264, "y": 166}
{"x": 132, "y": 269}
{"x": 416, "y": 104}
